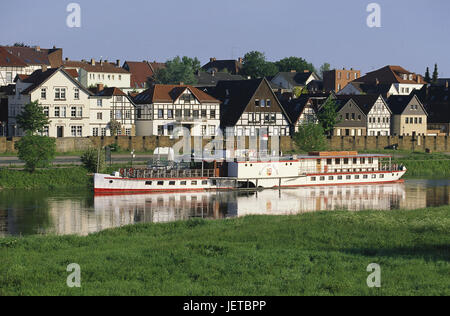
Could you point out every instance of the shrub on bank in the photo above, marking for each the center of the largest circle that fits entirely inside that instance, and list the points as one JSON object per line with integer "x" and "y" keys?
{"x": 45, "y": 179}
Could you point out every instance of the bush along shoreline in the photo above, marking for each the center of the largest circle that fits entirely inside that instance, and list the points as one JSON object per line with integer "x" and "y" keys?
{"x": 46, "y": 179}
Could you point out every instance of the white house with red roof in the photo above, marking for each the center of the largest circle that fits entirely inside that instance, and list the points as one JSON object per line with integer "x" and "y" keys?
{"x": 65, "y": 101}
{"x": 163, "y": 108}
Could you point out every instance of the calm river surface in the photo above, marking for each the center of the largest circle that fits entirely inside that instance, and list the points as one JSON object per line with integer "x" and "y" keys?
{"x": 61, "y": 213}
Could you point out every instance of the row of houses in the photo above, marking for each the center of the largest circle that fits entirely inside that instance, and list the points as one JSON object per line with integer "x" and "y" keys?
{"x": 83, "y": 98}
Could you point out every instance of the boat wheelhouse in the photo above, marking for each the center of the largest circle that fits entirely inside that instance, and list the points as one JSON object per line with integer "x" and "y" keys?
{"x": 315, "y": 169}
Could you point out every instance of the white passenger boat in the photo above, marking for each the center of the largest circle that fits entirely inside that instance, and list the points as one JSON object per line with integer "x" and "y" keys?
{"x": 315, "y": 169}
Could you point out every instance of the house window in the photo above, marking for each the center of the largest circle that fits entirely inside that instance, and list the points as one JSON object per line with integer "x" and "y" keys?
{"x": 118, "y": 114}
{"x": 128, "y": 114}
{"x": 45, "y": 132}
{"x": 268, "y": 103}
{"x": 203, "y": 130}
{"x": 196, "y": 114}
{"x": 213, "y": 114}
{"x": 46, "y": 111}
{"x": 73, "y": 111}
{"x": 63, "y": 111}
{"x": 128, "y": 131}
{"x": 57, "y": 111}
{"x": 160, "y": 113}
{"x": 95, "y": 131}
{"x": 99, "y": 102}
{"x": 187, "y": 113}
{"x": 73, "y": 131}
{"x": 80, "y": 112}
{"x": 60, "y": 93}
{"x": 100, "y": 116}
{"x": 76, "y": 94}
{"x": 212, "y": 130}
{"x": 263, "y": 103}
{"x": 178, "y": 113}
{"x": 103, "y": 131}
{"x": 43, "y": 93}
{"x": 257, "y": 102}
{"x": 406, "y": 120}
{"x": 169, "y": 113}
{"x": 79, "y": 131}
{"x": 161, "y": 130}
{"x": 9, "y": 77}
{"x": 203, "y": 113}
{"x": 170, "y": 130}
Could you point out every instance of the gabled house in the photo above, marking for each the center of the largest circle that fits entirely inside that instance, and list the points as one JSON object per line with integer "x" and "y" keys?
{"x": 352, "y": 119}
{"x": 358, "y": 88}
{"x": 163, "y": 108}
{"x": 10, "y": 67}
{"x": 403, "y": 80}
{"x": 291, "y": 80}
{"x": 251, "y": 108}
{"x": 377, "y": 113}
{"x": 301, "y": 111}
{"x": 409, "y": 115}
{"x": 92, "y": 73}
{"x": 64, "y": 100}
{"x": 111, "y": 104}
{"x": 335, "y": 80}
{"x": 36, "y": 57}
{"x": 231, "y": 66}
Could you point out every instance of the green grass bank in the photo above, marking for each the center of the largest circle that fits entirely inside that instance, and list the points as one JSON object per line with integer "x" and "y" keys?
{"x": 324, "y": 253}
{"x": 45, "y": 179}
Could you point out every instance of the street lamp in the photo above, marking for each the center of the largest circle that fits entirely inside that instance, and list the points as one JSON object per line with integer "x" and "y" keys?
{"x": 132, "y": 157}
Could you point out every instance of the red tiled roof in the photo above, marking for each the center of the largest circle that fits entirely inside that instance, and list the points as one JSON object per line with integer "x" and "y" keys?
{"x": 9, "y": 60}
{"x": 37, "y": 56}
{"x": 108, "y": 92}
{"x": 140, "y": 73}
{"x": 391, "y": 74}
{"x": 104, "y": 67}
{"x": 170, "y": 93}
{"x": 72, "y": 72}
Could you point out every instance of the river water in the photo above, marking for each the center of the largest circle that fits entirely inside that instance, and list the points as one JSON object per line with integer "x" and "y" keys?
{"x": 82, "y": 213}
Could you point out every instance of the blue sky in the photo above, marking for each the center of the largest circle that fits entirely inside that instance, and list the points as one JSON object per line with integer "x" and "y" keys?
{"x": 414, "y": 33}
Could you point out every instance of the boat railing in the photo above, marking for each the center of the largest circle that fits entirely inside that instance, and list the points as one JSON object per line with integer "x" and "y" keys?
{"x": 384, "y": 168}
{"x": 166, "y": 173}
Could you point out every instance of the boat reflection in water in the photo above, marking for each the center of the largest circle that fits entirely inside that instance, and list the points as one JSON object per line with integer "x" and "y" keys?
{"x": 119, "y": 210}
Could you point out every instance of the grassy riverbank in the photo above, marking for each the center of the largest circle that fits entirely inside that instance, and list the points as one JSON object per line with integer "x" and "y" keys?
{"x": 45, "y": 179}
{"x": 324, "y": 253}
{"x": 425, "y": 165}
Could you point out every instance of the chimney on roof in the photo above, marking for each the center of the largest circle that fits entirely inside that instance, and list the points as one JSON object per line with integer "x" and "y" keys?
{"x": 38, "y": 48}
{"x": 212, "y": 59}
{"x": 241, "y": 60}
{"x": 44, "y": 68}
{"x": 93, "y": 62}
{"x": 118, "y": 62}
{"x": 101, "y": 62}
{"x": 100, "y": 87}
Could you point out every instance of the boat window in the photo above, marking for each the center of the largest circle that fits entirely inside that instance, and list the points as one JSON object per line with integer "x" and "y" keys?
{"x": 193, "y": 182}
{"x": 381, "y": 176}
{"x": 160, "y": 182}
{"x": 374, "y": 176}
{"x": 329, "y": 161}
{"x": 322, "y": 178}
{"x": 357, "y": 177}
{"x": 363, "y": 160}
{"x": 338, "y": 161}
{"x": 339, "y": 177}
{"x": 349, "y": 177}
{"x": 330, "y": 178}
{"x": 183, "y": 183}
{"x": 365, "y": 176}
{"x": 172, "y": 183}
{"x": 355, "y": 161}
{"x": 148, "y": 182}
{"x": 370, "y": 160}
{"x": 214, "y": 182}
{"x": 313, "y": 178}
{"x": 345, "y": 161}
{"x": 204, "y": 182}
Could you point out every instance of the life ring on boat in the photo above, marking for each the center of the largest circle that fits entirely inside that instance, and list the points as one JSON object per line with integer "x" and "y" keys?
{"x": 121, "y": 172}
{"x": 130, "y": 172}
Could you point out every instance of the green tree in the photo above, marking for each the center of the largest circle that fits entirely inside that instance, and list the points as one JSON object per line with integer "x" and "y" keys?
{"x": 178, "y": 70}
{"x": 294, "y": 63}
{"x": 298, "y": 91}
{"x": 93, "y": 159}
{"x": 32, "y": 119}
{"x": 435, "y": 74}
{"x": 36, "y": 151}
{"x": 325, "y": 67}
{"x": 310, "y": 137}
{"x": 256, "y": 66}
{"x": 427, "y": 75}
{"x": 328, "y": 116}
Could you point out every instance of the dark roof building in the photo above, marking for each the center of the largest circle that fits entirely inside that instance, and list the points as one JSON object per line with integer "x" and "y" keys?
{"x": 206, "y": 79}
{"x": 233, "y": 67}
